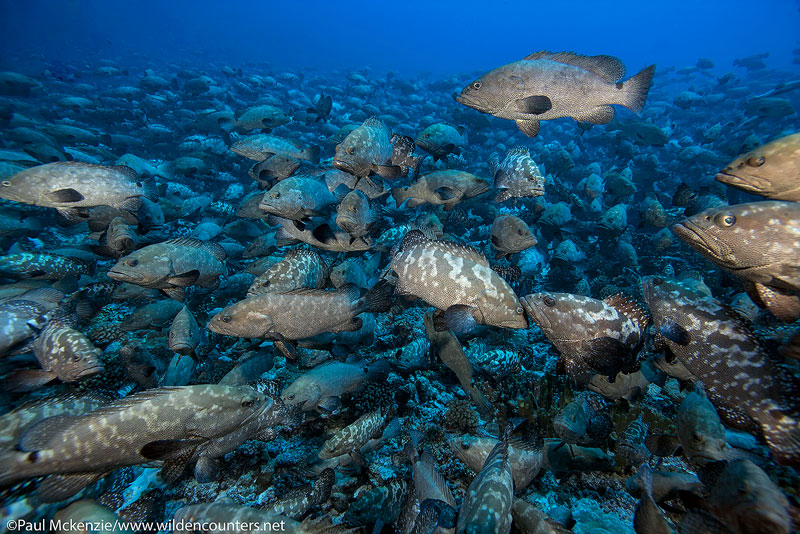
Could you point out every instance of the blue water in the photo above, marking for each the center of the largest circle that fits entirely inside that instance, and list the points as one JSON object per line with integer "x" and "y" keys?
{"x": 408, "y": 37}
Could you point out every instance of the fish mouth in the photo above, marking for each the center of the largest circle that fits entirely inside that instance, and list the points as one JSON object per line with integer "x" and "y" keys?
{"x": 472, "y": 103}
{"x": 694, "y": 236}
{"x": 751, "y": 184}
{"x": 121, "y": 276}
{"x": 343, "y": 166}
{"x": 97, "y": 368}
{"x": 533, "y": 311}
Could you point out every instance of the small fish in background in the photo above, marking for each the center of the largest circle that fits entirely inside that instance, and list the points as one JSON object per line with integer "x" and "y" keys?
{"x": 510, "y": 235}
{"x": 630, "y": 447}
{"x": 262, "y": 147}
{"x": 546, "y": 85}
{"x": 322, "y": 108}
{"x": 700, "y": 430}
{"x": 516, "y": 176}
{"x": 184, "y": 334}
{"x": 439, "y": 140}
{"x": 440, "y": 188}
{"x": 356, "y": 215}
{"x": 582, "y": 422}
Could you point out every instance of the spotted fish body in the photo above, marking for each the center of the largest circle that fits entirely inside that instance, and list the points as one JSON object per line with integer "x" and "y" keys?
{"x": 14, "y": 423}
{"x": 517, "y": 176}
{"x": 593, "y": 336}
{"x": 152, "y": 425}
{"x": 42, "y": 266}
{"x": 298, "y": 198}
{"x": 66, "y": 353}
{"x": 456, "y": 279}
{"x": 547, "y": 85}
{"x": 487, "y": 502}
{"x": 352, "y": 437}
{"x": 298, "y": 502}
{"x": 382, "y": 503}
{"x": 365, "y": 150}
{"x": 299, "y": 268}
{"x": 172, "y": 265}
{"x": 581, "y": 421}
{"x": 184, "y": 334}
{"x": 630, "y": 448}
{"x": 20, "y": 318}
{"x": 745, "y": 386}
{"x": 262, "y": 146}
{"x": 441, "y": 188}
{"x": 756, "y": 241}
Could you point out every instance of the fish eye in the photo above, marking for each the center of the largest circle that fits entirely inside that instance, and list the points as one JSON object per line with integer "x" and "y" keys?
{"x": 476, "y": 85}
{"x": 725, "y": 220}
{"x": 276, "y": 195}
{"x": 520, "y": 311}
{"x": 351, "y": 150}
{"x": 6, "y": 183}
{"x": 133, "y": 262}
{"x": 657, "y": 281}
{"x": 226, "y": 318}
{"x": 549, "y": 301}
{"x": 465, "y": 445}
{"x": 290, "y": 396}
{"x": 76, "y": 357}
{"x": 248, "y": 403}
{"x": 756, "y": 162}
{"x": 426, "y": 135}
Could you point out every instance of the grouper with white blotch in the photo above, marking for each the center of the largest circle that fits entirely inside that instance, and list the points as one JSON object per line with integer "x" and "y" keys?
{"x": 746, "y": 386}
{"x": 172, "y": 266}
{"x": 547, "y": 85}
{"x": 592, "y": 336}
{"x": 458, "y": 281}
{"x": 757, "y": 242}
{"x": 174, "y": 425}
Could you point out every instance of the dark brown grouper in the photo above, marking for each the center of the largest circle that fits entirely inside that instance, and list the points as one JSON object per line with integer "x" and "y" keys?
{"x": 299, "y": 268}
{"x": 547, "y": 85}
{"x": 172, "y": 266}
{"x": 592, "y": 336}
{"x": 441, "y": 188}
{"x": 368, "y": 150}
{"x": 757, "y": 241}
{"x": 458, "y": 280}
{"x": 322, "y": 387}
{"x": 300, "y": 313}
{"x": 174, "y": 424}
{"x": 771, "y": 170}
{"x": 748, "y": 389}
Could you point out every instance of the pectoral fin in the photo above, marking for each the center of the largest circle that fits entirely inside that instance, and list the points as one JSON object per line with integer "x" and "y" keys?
{"x": 528, "y": 127}
{"x": 184, "y": 279}
{"x": 61, "y": 196}
{"x": 534, "y": 104}
{"x": 459, "y": 318}
{"x": 675, "y": 333}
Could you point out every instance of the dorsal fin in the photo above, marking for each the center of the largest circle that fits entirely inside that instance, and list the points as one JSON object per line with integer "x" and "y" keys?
{"x": 520, "y": 150}
{"x": 374, "y": 122}
{"x": 609, "y": 68}
{"x": 629, "y": 308}
{"x": 212, "y": 248}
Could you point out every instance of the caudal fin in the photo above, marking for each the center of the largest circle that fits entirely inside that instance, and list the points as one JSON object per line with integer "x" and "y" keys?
{"x": 312, "y": 154}
{"x": 636, "y": 89}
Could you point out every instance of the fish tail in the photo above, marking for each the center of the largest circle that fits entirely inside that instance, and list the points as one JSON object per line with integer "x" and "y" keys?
{"x": 312, "y": 154}
{"x": 634, "y": 91}
{"x": 379, "y": 298}
{"x": 782, "y": 434}
{"x": 400, "y": 195}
